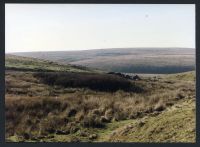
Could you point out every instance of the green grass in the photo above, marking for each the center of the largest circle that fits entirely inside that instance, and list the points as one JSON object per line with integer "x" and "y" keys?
{"x": 186, "y": 76}
{"x": 175, "y": 125}
{"x": 26, "y": 64}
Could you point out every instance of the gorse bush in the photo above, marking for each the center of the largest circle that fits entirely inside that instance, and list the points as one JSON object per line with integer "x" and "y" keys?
{"x": 98, "y": 82}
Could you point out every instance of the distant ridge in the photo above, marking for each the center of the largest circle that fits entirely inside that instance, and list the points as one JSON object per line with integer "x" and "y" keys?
{"x": 102, "y": 49}
{"x": 129, "y": 60}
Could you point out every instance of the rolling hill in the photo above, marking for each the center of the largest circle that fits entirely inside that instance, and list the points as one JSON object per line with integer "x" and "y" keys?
{"x": 128, "y": 60}
{"x": 17, "y": 63}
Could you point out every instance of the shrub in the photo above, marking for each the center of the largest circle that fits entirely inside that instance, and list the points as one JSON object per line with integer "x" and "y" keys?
{"x": 98, "y": 82}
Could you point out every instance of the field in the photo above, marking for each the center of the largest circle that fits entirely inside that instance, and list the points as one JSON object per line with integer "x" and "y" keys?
{"x": 128, "y": 60}
{"x": 47, "y": 101}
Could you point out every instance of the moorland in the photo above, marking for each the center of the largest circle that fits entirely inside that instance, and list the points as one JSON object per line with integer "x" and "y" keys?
{"x": 51, "y": 100}
{"x": 128, "y": 60}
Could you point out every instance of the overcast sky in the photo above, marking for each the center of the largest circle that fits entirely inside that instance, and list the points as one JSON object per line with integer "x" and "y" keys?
{"x": 56, "y": 27}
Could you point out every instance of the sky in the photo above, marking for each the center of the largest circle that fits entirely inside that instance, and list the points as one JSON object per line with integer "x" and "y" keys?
{"x": 60, "y": 27}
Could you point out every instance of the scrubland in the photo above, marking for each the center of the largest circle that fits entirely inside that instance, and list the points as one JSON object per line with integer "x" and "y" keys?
{"x": 96, "y": 107}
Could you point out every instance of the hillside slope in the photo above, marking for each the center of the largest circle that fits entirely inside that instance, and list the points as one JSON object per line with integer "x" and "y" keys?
{"x": 176, "y": 124}
{"x": 19, "y": 63}
{"x": 129, "y": 60}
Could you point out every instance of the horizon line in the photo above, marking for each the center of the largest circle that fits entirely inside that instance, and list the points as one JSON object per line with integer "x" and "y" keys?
{"x": 100, "y": 49}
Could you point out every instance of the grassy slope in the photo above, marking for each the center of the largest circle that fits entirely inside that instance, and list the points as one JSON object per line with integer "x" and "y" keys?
{"x": 31, "y": 64}
{"x": 177, "y": 124}
{"x": 186, "y": 76}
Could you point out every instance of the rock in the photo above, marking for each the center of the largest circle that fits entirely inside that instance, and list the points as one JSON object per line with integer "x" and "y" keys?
{"x": 93, "y": 136}
{"x": 128, "y": 77}
{"x": 136, "y": 77}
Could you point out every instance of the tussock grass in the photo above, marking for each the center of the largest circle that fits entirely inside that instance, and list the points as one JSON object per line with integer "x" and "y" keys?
{"x": 41, "y": 109}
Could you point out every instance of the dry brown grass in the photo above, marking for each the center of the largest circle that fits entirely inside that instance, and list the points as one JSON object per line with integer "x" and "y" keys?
{"x": 35, "y": 110}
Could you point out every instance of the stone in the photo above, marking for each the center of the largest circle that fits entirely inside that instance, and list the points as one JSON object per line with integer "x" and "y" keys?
{"x": 93, "y": 136}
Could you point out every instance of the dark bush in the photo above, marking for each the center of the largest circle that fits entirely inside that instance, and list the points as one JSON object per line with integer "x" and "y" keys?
{"x": 94, "y": 81}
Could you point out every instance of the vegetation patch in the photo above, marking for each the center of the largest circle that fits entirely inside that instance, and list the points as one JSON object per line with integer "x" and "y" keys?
{"x": 99, "y": 82}
{"x": 175, "y": 125}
